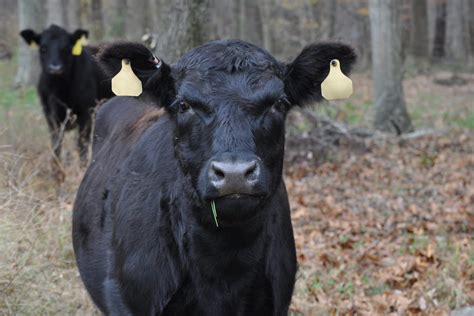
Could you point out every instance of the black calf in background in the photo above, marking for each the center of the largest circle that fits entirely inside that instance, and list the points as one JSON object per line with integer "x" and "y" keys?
{"x": 144, "y": 235}
{"x": 67, "y": 82}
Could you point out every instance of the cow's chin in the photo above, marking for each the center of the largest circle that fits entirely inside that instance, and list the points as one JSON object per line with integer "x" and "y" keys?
{"x": 236, "y": 209}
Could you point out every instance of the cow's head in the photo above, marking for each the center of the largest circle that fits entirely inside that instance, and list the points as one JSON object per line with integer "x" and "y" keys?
{"x": 228, "y": 101}
{"x": 55, "y": 47}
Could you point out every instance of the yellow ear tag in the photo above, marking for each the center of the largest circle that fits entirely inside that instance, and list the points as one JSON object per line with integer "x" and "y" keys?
{"x": 33, "y": 45}
{"x": 77, "y": 48}
{"x": 336, "y": 86}
{"x": 126, "y": 83}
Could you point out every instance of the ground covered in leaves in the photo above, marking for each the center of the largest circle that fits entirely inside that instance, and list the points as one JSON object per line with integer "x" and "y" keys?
{"x": 387, "y": 228}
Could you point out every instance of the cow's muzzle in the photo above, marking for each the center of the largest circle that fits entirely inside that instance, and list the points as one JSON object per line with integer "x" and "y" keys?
{"x": 55, "y": 69}
{"x": 234, "y": 176}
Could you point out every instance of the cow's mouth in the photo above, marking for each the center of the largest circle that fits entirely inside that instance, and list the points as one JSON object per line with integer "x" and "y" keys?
{"x": 239, "y": 196}
{"x": 233, "y": 209}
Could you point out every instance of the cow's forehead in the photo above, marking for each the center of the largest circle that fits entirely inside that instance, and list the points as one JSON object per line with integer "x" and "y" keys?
{"x": 229, "y": 56}
{"x": 244, "y": 88}
{"x": 54, "y": 32}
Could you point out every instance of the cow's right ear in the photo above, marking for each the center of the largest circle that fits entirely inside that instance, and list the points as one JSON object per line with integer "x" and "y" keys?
{"x": 31, "y": 37}
{"x": 153, "y": 73}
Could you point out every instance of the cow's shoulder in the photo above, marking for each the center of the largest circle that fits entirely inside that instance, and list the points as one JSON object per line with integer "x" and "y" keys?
{"x": 123, "y": 119}
{"x": 92, "y": 49}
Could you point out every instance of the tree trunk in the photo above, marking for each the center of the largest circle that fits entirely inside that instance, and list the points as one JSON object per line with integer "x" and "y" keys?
{"x": 250, "y": 22}
{"x": 456, "y": 45}
{"x": 328, "y": 18}
{"x": 29, "y": 16}
{"x": 73, "y": 8}
{"x": 115, "y": 17}
{"x": 266, "y": 14}
{"x": 390, "y": 110}
{"x": 419, "y": 39}
{"x": 136, "y": 19}
{"x": 182, "y": 25}
{"x": 470, "y": 20}
{"x": 97, "y": 20}
{"x": 440, "y": 30}
{"x": 55, "y": 13}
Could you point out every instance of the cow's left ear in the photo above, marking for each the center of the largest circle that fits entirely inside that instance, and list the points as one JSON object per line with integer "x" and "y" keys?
{"x": 134, "y": 64}
{"x": 306, "y": 73}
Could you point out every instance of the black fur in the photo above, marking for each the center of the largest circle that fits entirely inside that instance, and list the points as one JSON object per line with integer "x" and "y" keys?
{"x": 143, "y": 231}
{"x": 78, "y": 85}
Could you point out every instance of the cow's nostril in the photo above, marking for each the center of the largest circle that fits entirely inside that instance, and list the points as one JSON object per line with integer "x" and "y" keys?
{"x": 217, "y": 172}
{"x": 251, "y": 170}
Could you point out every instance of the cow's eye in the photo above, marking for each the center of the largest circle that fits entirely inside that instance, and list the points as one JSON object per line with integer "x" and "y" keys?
{"x": 183, "y": 107}
{"x": 281, "y": 105}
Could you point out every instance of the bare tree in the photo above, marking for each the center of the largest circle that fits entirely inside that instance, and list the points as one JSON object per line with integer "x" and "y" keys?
{"x": 97, "y": 20}
{"x": 115, "y": 17}
{"x": 224, "y": 19}
{"x": 56, "y": 12}
{"x": 440, "y": 30}
{"x": 390, "y": 110}
{"x": 182, "y": 25}
{"x": 328, "y": 20}
{"x": 470, "y": 21}
{"x": 136, "y": 19}
{"x": 266, "y": 15}
{"x": 73, "y": 19}
{"x": 250, "y": 22}
{"x": 419, "y": 38}
{"x": 457, "y": 30}
{"x": 29, "y": 16}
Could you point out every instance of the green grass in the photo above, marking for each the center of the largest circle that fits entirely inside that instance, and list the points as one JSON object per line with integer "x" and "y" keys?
{"x": 11, "y": 98}
{"x": 466, "y": 121}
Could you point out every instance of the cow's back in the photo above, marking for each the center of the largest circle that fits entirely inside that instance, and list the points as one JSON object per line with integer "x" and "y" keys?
{"x": 120, "y": 122}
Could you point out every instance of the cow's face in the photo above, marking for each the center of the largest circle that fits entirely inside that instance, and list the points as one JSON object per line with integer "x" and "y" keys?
{"x": 55, "y": 48}
{"x": 229, "y": 101}
{"x": 230, "y": 110}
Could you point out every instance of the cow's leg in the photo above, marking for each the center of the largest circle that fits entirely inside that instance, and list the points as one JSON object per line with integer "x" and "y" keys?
{"x": 55, "y": 117}
{"x": 84, "y": 122}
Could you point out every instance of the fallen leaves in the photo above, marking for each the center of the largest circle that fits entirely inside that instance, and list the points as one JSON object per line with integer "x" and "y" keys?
{"x": 387, "y": 230}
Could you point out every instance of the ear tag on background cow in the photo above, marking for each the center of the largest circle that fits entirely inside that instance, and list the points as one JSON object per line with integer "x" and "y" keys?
{"x": 77, "y": 48}
{"x": 126, "y": 83}
{"x": 33, "y": 45}
{"x": 336, "y": 86}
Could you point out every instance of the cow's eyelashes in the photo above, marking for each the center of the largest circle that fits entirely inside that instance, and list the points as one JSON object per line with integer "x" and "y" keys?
{"x": 183, "y": 107}
{"x": 282, "y": 105}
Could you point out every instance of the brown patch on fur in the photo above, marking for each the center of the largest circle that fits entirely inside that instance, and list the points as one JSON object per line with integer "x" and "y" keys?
{"x": 150, "y": 115}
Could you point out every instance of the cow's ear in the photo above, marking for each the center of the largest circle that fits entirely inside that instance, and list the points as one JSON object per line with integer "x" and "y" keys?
{"x": 78, "y": 34}
{"x": 305, "y": 74}
{"x": 31, "y": 37}
{"x": 153, "y": 73}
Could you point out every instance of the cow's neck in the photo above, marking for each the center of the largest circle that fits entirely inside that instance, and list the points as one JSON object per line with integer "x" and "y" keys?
{"x": 221, "y": 256}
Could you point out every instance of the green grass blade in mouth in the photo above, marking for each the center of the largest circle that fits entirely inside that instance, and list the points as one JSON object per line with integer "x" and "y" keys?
{"x": 214, "y": 212}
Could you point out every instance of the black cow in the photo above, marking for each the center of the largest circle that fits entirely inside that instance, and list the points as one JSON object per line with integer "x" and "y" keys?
{"x": 67, "y": 82}
{"x": 145, "y": 238}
